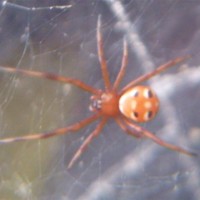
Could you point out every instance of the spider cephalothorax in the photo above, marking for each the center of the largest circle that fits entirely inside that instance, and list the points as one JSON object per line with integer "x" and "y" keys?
{"x": 102, "y": 103}
{"x": 131, "y": 103}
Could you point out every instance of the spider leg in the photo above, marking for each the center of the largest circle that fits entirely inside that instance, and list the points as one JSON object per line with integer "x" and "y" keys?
{"x": 51, "y": 76}
{"x": 87, "y": 141}
{"x": 59, "y": 131}
{"x": 158, "y": 140}
{"x": 101, "y": 55}
{"x": 123, "y": 66}
{"x": 126, "y": 128}
{"x": 154, "y": 72}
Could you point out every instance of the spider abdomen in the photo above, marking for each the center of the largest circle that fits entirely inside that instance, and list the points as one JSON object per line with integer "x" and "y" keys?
{"x": 139, "y": 104}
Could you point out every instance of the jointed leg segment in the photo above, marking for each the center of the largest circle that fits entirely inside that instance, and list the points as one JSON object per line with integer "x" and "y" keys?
{"x": 75, "y": 127}
{"x": 157, "y": 140}
{"x": 87, "y": 141}
{"x": 53, "y": 77}
{"x": 147, "y": 76}
{"x": 127, "y": 129}
{"x": 101, "y": 56}
{"x": 123, "y": 66}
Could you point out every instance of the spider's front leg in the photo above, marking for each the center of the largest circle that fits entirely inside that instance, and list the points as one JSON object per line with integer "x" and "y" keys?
{"x": 51, "y": 76}
{"x": 60, "y": 131}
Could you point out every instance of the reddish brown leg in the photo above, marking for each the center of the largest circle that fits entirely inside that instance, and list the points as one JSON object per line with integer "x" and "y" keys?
{"x": 158, "y": 140}
{"x": 155, "y": 72}
{"x": 50, "y": 76}
{"x": 60, "y": 131}
{"x": 101, "y": 55}
{"x": 87, "y": 141}
{"x": 123, "y": 66}
{"x": 126, "y": 128}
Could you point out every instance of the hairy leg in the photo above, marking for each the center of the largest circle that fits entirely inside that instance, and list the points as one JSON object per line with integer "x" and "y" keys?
{"x": 127, "y": 129}
{"x": 147, "y": 76}
{"x": 123, "y": 66}
{"x": 101, "y": 55}
{"x": 158, "y": 140}
{"x": 51, "y": 76}
{"x": 87, "y": 141}
{"x": 60, "y": 131}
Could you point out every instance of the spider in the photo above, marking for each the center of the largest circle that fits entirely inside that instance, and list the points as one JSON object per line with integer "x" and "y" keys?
{"x": 133, "y": 103}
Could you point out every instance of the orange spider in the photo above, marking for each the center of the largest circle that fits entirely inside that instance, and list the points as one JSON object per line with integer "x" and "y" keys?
{"x": 132, "y": 103}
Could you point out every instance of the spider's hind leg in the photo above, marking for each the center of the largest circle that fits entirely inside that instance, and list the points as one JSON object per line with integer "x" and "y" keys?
{"x": 155, "y": 72}
{"x": 127, "y": 128}
{"x": 157, "y": 140}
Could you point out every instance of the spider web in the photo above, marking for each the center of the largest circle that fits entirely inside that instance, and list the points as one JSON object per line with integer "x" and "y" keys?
{"x": 60, "y": 37}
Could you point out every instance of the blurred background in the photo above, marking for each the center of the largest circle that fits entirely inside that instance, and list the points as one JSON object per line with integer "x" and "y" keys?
{"x": 60, "y": 37}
